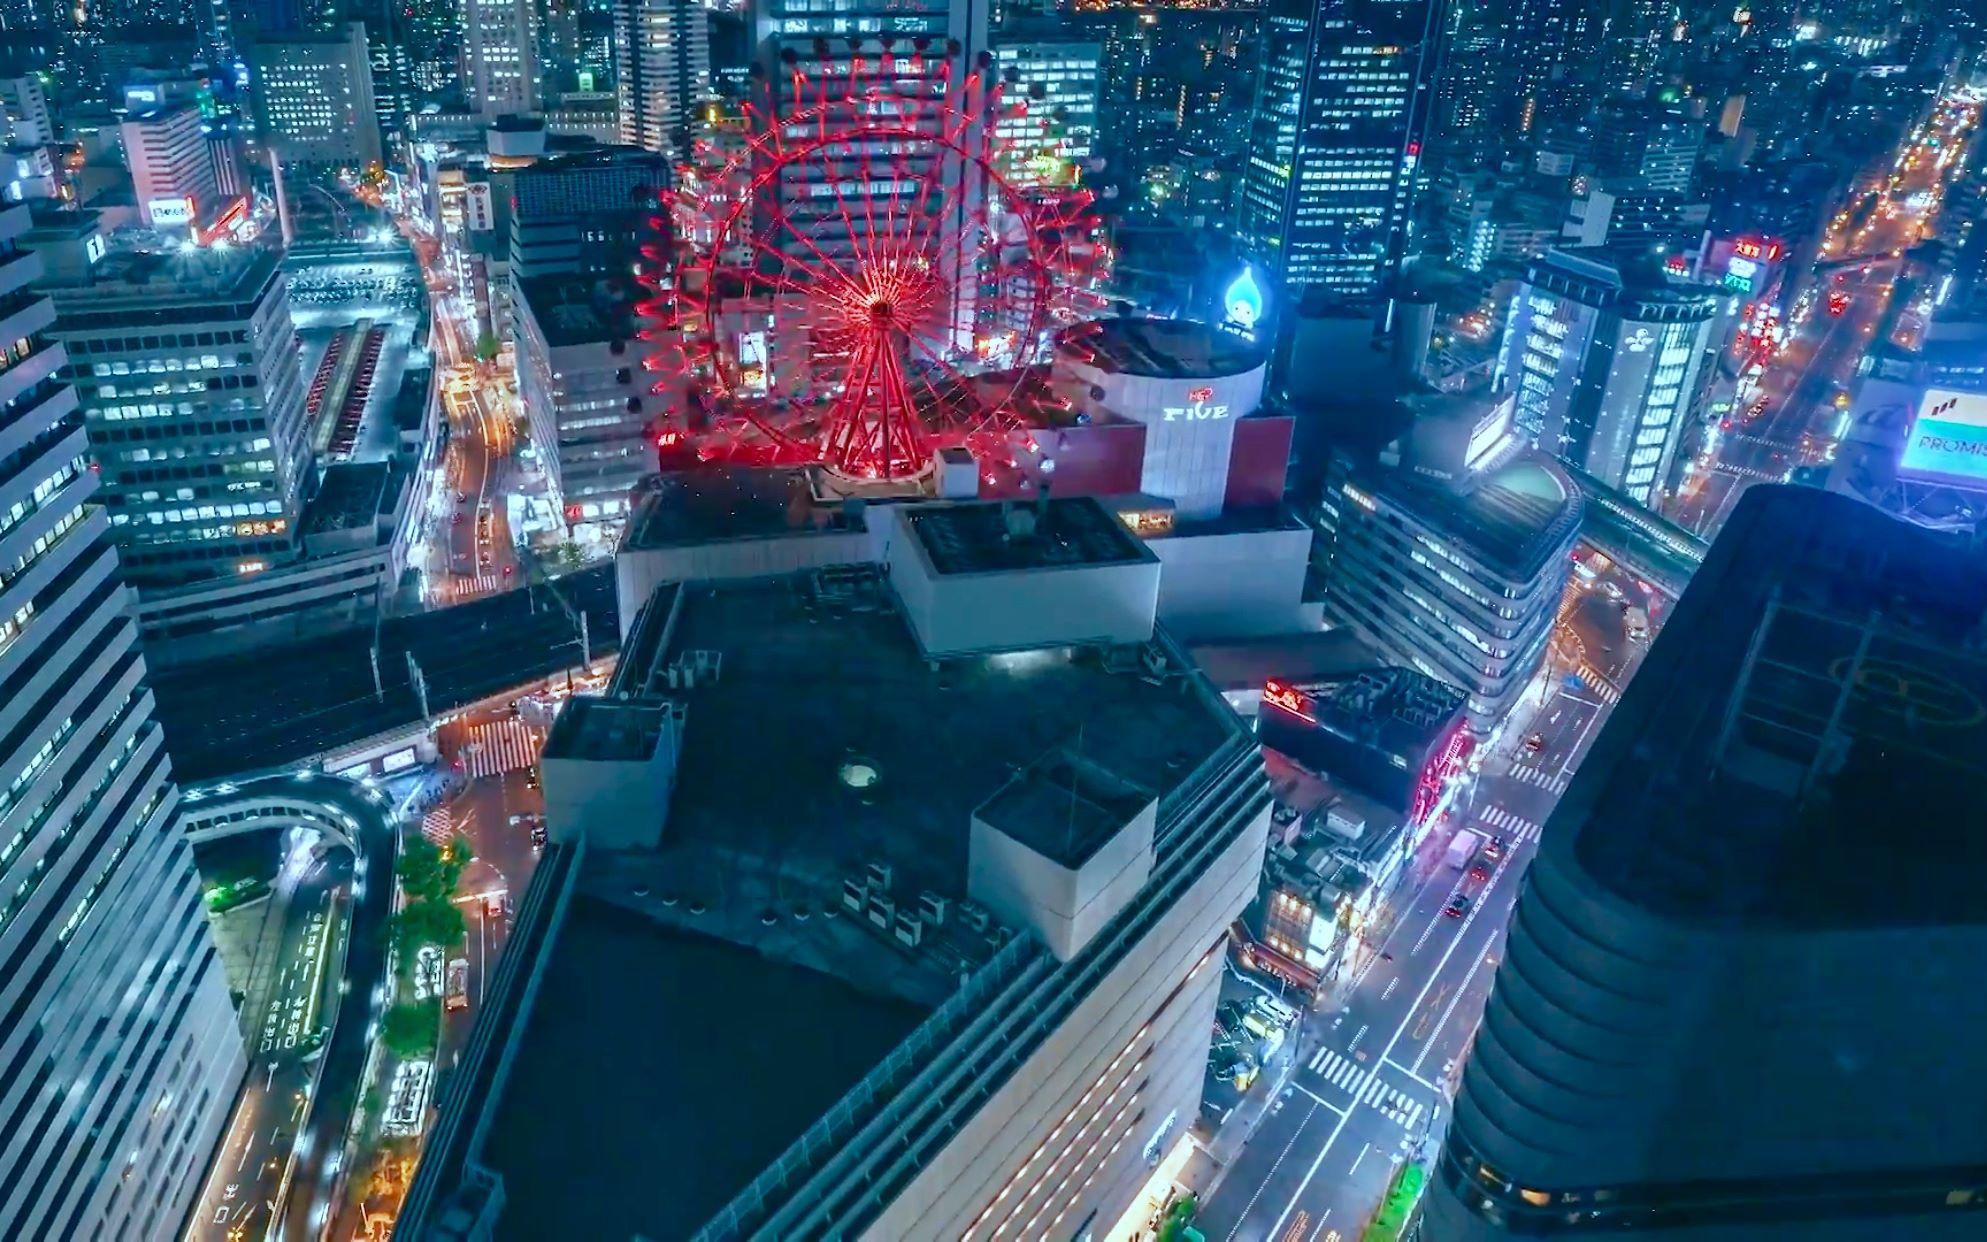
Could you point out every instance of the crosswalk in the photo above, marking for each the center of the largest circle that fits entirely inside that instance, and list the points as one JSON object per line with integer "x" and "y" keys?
{"x": 500, "y": 746}
{"x": 1552, "y": 783}
{"x": 1512, "y": 826}
{"x": 1339, "y": 1071}
{"x": 438, "y": 826}
{"x": 1366, "y": 1087}
{"x": 1591, "y": 682}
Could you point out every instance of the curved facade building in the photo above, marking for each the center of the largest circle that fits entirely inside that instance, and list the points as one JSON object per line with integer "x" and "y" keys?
{"x": 1459, "y": 581}
{"x": 1740, "y": 997}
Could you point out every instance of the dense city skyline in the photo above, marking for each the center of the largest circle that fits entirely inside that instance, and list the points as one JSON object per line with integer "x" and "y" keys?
{"x": 1264, "y": 620}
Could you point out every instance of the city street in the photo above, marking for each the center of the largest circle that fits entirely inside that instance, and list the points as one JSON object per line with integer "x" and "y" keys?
{"x": 242, "y": 1191}
{"x": 1788, "y": 419}
{"x": 1374, "y": 1070}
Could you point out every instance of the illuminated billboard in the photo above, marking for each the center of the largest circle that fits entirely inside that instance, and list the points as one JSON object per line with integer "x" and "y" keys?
{"x": 1948, "y": 439}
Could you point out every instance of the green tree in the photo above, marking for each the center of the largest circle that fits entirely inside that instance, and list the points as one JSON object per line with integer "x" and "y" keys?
{"x": 409, "y": 1029}
{"x": 428, "y": 922}
{"x": 486, "y": 347}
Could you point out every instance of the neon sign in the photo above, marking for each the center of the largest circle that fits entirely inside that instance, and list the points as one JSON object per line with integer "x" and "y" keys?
{"x": 1289, "y": 699}
{"x": 1195, "y": 413}
{"x": 1244, "y": 303}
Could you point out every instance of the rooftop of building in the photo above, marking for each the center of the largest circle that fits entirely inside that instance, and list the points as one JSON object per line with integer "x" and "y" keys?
{"x": 1247, "y": 663}
{"x": 581, "y": 310}
{"x": 62, "y": 222}
{"x": 1820, "y": 694}
{"x": 350, "y": 495}
{"x": 817, "y": 741}
{"x": 1005, "y": 538}
{"x": 195, "y": 274}
{"x": 1627, "y": 273}
{"x": 1161, "y": 348}
{"x": 645, "y": 1034}
{"x": 1388, "y": 708}
{"x": 689, "y": 507}
{"x": 1515, "y": 517}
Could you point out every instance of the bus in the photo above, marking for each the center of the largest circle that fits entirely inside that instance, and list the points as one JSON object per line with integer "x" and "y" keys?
{"x": 457, "y": 995}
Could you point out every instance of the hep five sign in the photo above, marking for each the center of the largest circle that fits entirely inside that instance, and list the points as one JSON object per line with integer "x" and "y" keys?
{"x": 1197, "y": 408}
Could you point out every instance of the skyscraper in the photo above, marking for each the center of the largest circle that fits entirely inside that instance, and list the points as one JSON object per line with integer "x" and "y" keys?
{"x": 119, "y": 1052}
{"x": 1336, "y": 134}
{"x": 1604, "y": 354}
{"x": 1544, "y": 65}
{"x": 500, "y": 56}
{"x": 317, "y": 98}
{"x": 1738, "y": 999}
{"x": 662, "y": 71}
{"x": 801, "y": 42}
{"x": 1048, "y": 125}
{"x": 187, "y": 369}
{"x": 172, "y": 174}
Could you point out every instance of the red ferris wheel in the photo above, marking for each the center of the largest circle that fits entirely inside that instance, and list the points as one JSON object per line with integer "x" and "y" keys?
{"x": 858, "y": 281}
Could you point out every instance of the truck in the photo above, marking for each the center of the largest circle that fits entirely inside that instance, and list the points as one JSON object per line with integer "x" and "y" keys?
{"x": 457, "y": 995}
{"x": 1462, "y": 848}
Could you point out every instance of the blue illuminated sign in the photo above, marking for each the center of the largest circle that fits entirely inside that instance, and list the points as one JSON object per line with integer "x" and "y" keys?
{"x": 1243, "y": 303}
{"x": 1948, "y": 439}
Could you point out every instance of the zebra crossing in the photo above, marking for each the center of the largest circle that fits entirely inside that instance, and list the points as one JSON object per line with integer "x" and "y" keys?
{"x": 438, "y": 826}
{"x": 498, "y": 747}
{"x": 1552, "y": 783}
{"x": 1513, "y": 827}
{"x": 1600, "y": 687}
{"x": 1340, "y": 1072}
{"x": 1366, "y": 1087}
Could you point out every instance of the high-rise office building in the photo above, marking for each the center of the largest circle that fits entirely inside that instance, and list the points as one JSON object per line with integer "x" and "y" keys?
{"x": 1453, "y": 560}
{"x": 500, "y": 56}
{"x": 587, "y": 398}
{"x": 1604, "y": 352}
{"x": 316, "y": 95}
{"x": 1047, "y": 131}
{"x": 172, "y": 175}
{"x": 1647, "y": 143}
{"x": 187, "y": 369}
{"x": 119, "y": 1051}
{"x": 662, "y": 71}
{"x": 800, "y": 40}
{"x": 1005, "y": 916}
{"x": 1336, "y": 135}
{"x": 1738, "y": 996}
{"x": 26, "y": 106}
{"x": 1544, "y": 71}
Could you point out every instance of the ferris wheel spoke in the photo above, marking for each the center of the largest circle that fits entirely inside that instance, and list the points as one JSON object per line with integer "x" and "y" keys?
{"x": 833, "y": 273}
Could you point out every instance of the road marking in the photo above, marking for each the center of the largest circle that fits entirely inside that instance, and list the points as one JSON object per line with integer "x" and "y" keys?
{"x": 1405, "y": 1072}
{"x": 1322, "y": 1102}
{"x": 1443, "y": 1021}
{"x": 1280, "y": 1157}
{"x": 1391, "y": 985}
{"x": 1363, "y": 1149}
{"x": 1354, "y": 1045}
{"x": 1318, "y": 1161}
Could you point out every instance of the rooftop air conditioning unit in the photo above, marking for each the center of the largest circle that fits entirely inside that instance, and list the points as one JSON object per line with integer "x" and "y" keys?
{"x": 881, "y": 876}
{"x": 932, "y": 907}
{"x": 909, "y": 930}
{"x": 882, "y": 911}
{"x": 855, "y": 895}
{"x": 974, "y": 916}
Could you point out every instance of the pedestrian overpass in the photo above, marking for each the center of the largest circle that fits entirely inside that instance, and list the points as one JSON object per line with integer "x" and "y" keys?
{"x": 1651, "y": 547}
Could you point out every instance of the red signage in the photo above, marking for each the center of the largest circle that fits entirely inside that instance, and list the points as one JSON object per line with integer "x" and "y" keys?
{"x": 1749, "y": 250}
{"x": 1290, "y": 699}
{"x": 1200, "y": 394}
